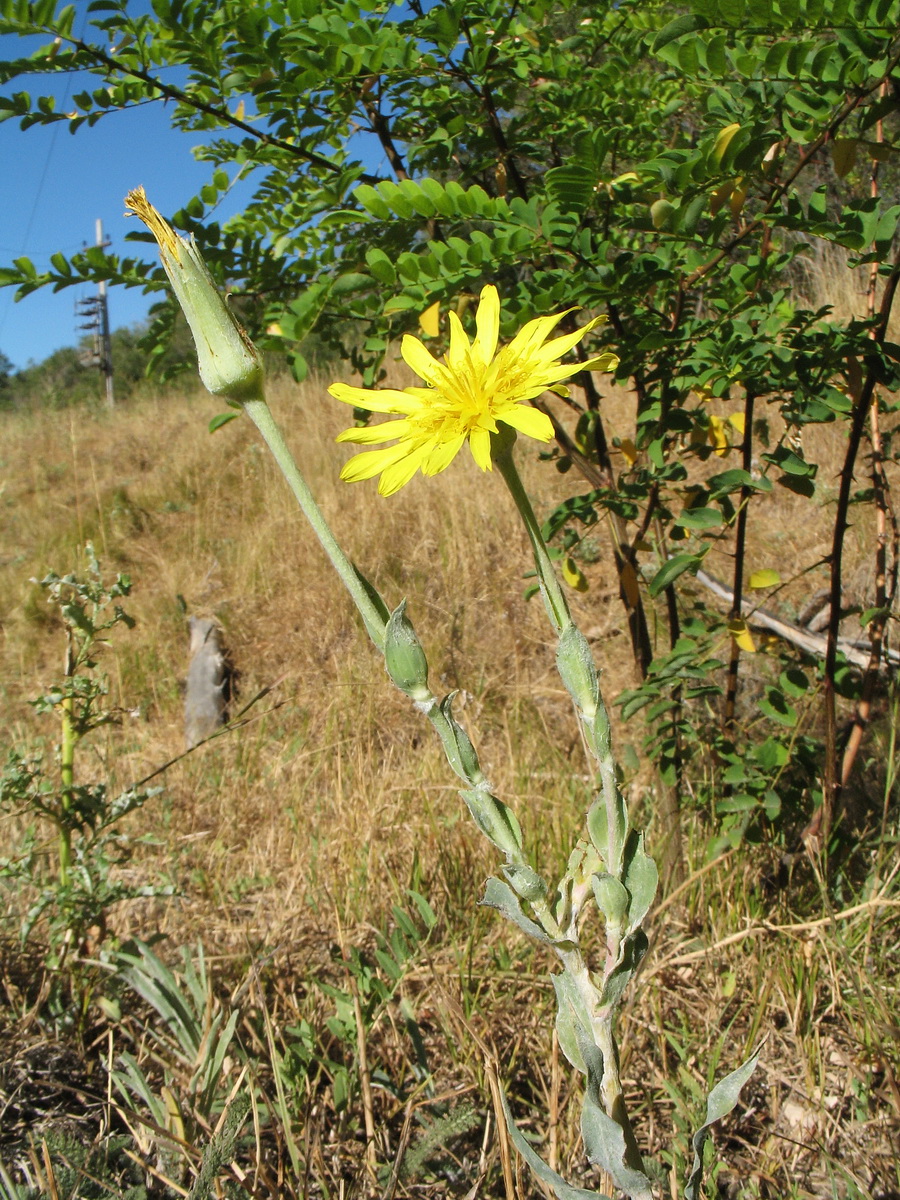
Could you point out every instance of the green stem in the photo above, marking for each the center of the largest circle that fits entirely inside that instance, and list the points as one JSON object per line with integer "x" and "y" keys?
{"x": 374, "y": 618}
{"x": 554, "y": 600}
{"x": 597, "y": 728}
{"x": 67, "y": 777}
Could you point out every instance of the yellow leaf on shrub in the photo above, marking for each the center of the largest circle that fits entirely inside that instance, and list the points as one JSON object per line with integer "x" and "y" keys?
{"x": 742, "y": 636}
{"x": 628, "y": 450}
{"x": 430, "y": 320}
{"x": 719, "y": 196}
{"x": 723, "y": 141}
{"x": 765, "y": 578}
{"x": 843, "y": 155}
{"x": 661, "y": 213}
{"x": 736, "y": 200}
{"x": 573, "y": 575}
{"x": 717, "y": 436}
{"x": 738, "y": 421}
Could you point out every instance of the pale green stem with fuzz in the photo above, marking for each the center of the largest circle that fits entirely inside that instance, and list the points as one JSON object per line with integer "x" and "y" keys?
{"x": 372, "y": 613}
{"x": 594, "y": 716}
{"x": 560, "y": 927}
{"x": 374, "y": 619}
{"x": 595, "y": 722}
{"x": 554, "y": 600}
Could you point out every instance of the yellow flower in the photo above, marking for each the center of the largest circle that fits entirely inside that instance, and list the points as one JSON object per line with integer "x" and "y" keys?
{"x": 475, "y": 387}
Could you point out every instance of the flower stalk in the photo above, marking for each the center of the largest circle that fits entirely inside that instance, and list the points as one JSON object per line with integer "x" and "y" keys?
{"x": 370, "y": 606}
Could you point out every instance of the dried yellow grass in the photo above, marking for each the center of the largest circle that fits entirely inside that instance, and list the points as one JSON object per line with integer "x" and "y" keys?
{"x": 318, "y": 814}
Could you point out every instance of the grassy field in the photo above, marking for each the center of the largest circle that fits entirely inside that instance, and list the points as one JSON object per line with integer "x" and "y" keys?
{"x": 326, "y": 831}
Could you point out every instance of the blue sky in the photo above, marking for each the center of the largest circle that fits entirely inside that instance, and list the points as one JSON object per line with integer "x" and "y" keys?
{"x": 55, "y": 185}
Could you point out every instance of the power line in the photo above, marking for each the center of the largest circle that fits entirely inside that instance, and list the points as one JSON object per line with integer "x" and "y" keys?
{"x": 40, "y": 187}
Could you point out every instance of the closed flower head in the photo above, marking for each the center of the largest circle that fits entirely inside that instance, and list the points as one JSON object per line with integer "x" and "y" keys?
{"x": 466, "y": 396}
{"x": 229, "y": 363}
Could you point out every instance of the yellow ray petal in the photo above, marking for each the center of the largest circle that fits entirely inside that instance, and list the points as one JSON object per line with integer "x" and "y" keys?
{"x": 551, "y": 351}
{"x": 607, "y": 361}
{"x": 480, "y": 445}
{"x": 370, "y": 462}
{"x": 384, "y": 400}
{"x": 399, "y": 474}
{"x": 528, "y": 420}
{"x": 442, "y": 455}
{"x": 487, "y": 323}
{"x": 366, "y": 435}
{"x": 532, "y": 334}
{"x": 458, "y": 350}
{"x": 417, "y": 357}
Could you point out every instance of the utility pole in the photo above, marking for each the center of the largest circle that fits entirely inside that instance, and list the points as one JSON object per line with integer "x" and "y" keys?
{"x": 96, "y": 310}
{"x": 106, "y": 355}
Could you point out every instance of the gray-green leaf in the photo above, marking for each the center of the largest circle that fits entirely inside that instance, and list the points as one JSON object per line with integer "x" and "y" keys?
{"x": 722, "y": 1100}
{"x": 563, "y": 1190}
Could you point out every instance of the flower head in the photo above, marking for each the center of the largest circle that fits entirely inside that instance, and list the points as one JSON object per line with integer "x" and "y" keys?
{"x": 229, "y": 363}
{"x": 475, "y": 387}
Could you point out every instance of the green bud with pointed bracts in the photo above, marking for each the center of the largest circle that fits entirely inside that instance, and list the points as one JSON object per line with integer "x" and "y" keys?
{"x": 525, "y": 882}
{"x": 229, "y": 363}
{"x": 404, "y": 657}
{"x": 612, "y": 898}
{"x": 496, "y": 821}
{"x": 575, "y": 664}
{"x": 458, "y": 746}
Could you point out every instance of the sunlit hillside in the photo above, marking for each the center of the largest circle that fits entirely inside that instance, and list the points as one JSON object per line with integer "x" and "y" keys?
{"x": 294, "y": 838}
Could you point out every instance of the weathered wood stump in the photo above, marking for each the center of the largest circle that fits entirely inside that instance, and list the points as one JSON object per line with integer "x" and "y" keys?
{"x": 205, "y": 698}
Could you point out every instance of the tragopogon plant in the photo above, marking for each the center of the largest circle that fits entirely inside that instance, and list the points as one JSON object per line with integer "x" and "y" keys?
{"x": 478, "y": 394}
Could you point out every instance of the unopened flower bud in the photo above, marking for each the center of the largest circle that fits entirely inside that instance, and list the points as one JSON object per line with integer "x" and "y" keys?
{"x": 404, "y": 657}
{"x": 229, "y": 363}
{"x": 612, "y": 898}
{"x": 527, "y": 883}
{"x": 575, "y": 664}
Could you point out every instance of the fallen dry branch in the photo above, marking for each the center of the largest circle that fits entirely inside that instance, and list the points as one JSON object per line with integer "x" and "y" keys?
{"x": 855, "y": 651}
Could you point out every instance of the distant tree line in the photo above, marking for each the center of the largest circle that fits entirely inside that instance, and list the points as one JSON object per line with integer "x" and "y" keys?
{"x": 62, "y": 379}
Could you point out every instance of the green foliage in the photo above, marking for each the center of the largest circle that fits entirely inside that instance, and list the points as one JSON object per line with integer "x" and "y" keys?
{"x": 67, "y": 377}
{"x": 85, "y": 818}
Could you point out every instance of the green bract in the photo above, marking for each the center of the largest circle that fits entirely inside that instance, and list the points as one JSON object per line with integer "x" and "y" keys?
{"x": 229, "y": 363}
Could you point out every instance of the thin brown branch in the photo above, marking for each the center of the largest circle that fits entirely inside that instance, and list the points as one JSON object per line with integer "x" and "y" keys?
{"x": 382, "y": 131}
{"x": 168, "y": 91}
{"x": 779, "y": 190}
{"x": 740, "y": 544}
{"x": 819, "y": 828}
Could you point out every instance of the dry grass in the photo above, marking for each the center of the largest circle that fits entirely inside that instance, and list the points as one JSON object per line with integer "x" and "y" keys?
{"x": 304, "y": 827}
